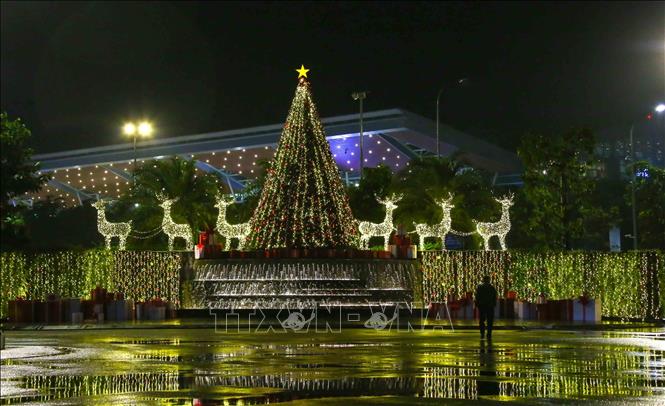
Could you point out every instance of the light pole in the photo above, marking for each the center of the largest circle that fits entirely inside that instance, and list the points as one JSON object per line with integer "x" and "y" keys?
{"x": 438, "y": 99}
{"x": 360, "y": 96}
{"x": 660, "y": 108}
{"x": 143, "y": 129}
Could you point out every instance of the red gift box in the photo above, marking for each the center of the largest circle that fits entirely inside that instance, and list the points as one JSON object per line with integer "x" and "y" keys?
{"x": 98, "y": 294}
{"x": 204, "y": 237}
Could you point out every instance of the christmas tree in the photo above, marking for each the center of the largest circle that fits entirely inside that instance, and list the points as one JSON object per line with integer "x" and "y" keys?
{"x": 303, "y": 203}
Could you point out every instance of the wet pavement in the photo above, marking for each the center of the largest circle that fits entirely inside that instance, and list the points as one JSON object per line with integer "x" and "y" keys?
{"x": 354, "y": 366}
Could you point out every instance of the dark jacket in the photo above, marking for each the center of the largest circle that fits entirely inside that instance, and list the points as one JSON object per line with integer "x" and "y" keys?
{"x": 485, "y": 296}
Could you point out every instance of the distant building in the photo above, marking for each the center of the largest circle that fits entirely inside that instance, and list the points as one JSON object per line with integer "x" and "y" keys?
{"x": 391, "y": 137}
{"x": 614, "y": 146}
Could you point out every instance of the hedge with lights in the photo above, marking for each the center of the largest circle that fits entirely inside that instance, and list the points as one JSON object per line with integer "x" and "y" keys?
{"x": 629, "y": 284}
{"x": 140, "y": 275}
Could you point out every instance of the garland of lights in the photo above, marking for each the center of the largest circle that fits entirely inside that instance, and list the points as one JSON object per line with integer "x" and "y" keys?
{"x": 628, "y": 283}
{"x": 303, "y": 203}
{"x": 437, "y": 230}
{"x": 229, "y": 231}
{"x": 140, "y": 275}
{"x": 172, "y": 229}
{"x": 384, "y": 229}
{"x": 110, "y": 230}
{"x": 500, "y": 228}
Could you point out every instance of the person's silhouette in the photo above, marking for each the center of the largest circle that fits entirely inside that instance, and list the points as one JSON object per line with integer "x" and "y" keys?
{"x": 485, "y": 302}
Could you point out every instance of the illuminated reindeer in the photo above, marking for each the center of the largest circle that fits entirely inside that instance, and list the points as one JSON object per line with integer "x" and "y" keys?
{"x": 110, "y": 230}
{"x": 171, "y": 229}
{"x": 500, "y": 228}
{"x": 369, "y": 230}
{"x": 437, "y": 230}
{"x": 229, "y": 231}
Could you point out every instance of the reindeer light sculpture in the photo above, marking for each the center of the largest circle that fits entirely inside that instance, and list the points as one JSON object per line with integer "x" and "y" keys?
{"x": 437, "y": 230}
{"x": 172, "y": 229}
{"x": 229, "y": 231}
{"x": 500, "y": 228}
{"x": 369, "y": 230}
{"x": 110, "y": 230}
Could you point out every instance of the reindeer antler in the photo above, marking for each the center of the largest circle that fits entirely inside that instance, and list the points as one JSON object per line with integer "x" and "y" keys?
{"x": 394, "y": 198}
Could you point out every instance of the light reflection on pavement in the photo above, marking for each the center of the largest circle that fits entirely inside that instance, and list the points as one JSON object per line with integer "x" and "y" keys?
{"x": 199, "y": 366}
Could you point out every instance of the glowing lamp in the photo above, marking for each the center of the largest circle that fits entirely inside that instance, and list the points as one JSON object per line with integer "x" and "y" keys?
{"x": 129, "y": 129}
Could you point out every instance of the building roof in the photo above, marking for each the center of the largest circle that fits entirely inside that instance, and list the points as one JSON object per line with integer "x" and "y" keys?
{"x": 392, "y": 137}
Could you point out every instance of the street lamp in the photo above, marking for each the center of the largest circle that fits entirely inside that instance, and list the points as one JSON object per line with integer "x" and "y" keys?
{"x": 360, "y": 96}
{"x": 660, "y": 108}
{"x": 438, "y": 98}
{"x": 143, "y": 129}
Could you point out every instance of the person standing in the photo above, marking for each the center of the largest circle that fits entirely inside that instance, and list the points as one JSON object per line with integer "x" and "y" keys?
{"x": 485, "y": 302}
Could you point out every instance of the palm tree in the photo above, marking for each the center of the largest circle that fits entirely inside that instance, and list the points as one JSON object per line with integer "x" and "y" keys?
{"x": 173, "y": 178}
{"x": 430, "y": 178}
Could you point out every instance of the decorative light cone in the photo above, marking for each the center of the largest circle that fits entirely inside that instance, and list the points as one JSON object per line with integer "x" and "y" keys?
{"x": 303, "y": 203}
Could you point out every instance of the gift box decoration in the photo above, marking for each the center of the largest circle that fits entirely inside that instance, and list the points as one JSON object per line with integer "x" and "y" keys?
{"x": 53, "y": 310}
{"x": 525, "y": 310}
{"x": 199, "y": 251}
{"x": 21, "y": 310}
{"x": 98, "y": 294}
{"x": 587, "y": 310}
{"x": 412, "y": 252}
{"x": 69, "y": 307}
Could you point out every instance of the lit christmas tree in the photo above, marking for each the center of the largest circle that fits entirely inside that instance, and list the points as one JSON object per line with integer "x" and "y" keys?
{"x": 303, "y": 203}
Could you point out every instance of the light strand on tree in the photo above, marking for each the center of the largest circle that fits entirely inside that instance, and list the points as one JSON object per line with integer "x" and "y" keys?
{"x": 303, "y": 203}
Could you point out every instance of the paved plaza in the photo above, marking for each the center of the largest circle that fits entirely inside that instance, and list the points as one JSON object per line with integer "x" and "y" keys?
{"x": 190, "y": 365}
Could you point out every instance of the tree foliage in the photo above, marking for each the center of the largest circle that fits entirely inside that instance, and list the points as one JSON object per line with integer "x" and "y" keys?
{"x": 559, "y": 185}
{"x": 173, "y": 178}
{"x": 19, "y": 175}
{"x": 423, "y": 181}
{"x": 650, "y": 205}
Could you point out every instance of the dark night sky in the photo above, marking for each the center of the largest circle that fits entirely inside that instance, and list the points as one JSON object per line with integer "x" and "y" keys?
{"x": 75, "y": 71}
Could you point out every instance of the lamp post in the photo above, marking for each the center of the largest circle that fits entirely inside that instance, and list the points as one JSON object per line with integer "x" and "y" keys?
{"x": 660, "y": 108}
{"x": 438, "y": 99}
{"x": 360, "y": 96}
{"x": 143, "y": 129}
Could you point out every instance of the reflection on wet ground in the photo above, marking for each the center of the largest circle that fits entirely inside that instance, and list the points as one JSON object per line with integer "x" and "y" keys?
{"x": 199, "y": 366}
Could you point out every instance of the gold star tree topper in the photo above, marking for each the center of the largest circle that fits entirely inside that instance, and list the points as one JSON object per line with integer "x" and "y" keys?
{"x": 302, "y": 72}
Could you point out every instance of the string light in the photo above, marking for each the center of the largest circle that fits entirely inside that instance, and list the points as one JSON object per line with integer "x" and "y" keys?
{"x": 623, "y": 281}
{"x": 172, "y": 229}
{"x": 303, "y": 202}
{"x": 500, "y": 228}
{"x": 140, "y": 275}
{"x": 229, "y": 231}
{"x": 110, "y": 230}
{"x": 439, "y": 230}
{"x": 384, "y": 229}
